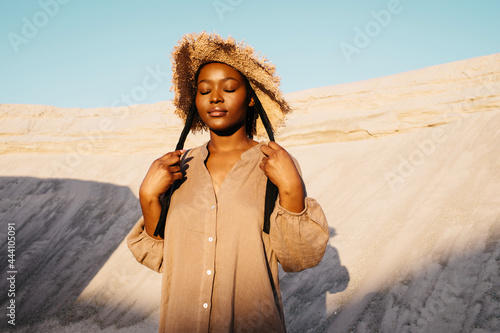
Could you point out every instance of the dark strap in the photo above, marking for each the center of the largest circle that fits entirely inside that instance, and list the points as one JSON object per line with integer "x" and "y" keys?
{"x": 160, "y": 226}
{"x": 271, "y": 189}
{"x": 271, "y": 196}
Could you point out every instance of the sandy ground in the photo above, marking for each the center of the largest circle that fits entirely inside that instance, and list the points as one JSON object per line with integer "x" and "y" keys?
{"x": 406, "y": 167}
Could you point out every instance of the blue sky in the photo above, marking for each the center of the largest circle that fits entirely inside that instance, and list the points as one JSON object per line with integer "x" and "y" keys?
{"x": 94, "y": 53}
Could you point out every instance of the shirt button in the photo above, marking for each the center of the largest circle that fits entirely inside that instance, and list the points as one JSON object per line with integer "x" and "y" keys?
{"x": 209, "y": 272}
{"x": 205, "y": 305}
{"x": 210, "y": 239}
{"x": 213, "y": 207}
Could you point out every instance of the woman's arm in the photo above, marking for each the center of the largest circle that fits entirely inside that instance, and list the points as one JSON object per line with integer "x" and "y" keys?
{"x": 146, "y": 248}
{"x": 299, "y": 231}
{"x": 160, "y": 176}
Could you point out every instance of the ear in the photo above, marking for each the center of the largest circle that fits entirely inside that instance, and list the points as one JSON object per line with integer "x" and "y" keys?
{"x": 252, "y": 102}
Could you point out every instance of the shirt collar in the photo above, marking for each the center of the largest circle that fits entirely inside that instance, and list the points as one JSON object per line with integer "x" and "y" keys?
{"x": 245, "y": 155}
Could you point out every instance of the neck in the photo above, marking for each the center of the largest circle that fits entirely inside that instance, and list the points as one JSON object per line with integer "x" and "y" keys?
{"x": 236, "y": 141}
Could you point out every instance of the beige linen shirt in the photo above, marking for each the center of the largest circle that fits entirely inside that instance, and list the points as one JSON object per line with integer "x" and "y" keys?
{"x": 220, "y": 270}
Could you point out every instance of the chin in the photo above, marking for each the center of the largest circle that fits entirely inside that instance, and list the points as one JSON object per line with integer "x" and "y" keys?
{"x": 225, "y": 130}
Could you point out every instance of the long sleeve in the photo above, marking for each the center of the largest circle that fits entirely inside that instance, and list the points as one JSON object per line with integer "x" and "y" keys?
{"x": 146, "y": 249}
{"x": 299, "y": 239}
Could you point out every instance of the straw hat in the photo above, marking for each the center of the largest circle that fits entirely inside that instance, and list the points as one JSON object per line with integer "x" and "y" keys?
{"x": 195, "y": 50}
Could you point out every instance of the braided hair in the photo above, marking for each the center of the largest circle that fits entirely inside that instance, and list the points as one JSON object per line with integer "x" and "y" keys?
{"x": 252, "y": 114}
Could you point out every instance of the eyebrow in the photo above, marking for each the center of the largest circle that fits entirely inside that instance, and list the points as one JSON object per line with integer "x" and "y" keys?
{"x": 224, "y": 79}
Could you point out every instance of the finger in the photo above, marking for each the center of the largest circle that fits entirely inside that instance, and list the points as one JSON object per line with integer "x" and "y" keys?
{"x": 174, "y": 168}
{"x": 171, "y": 160}
{"x": 266, "y": 150}
{"x": 274, "y": 146}
{"x": 172, "y": 153}
{"x": 180, "y": 152}
{"x": 177, "y": 176}
{"x": 165, "y": 157}
{"x": 177, "y": 157}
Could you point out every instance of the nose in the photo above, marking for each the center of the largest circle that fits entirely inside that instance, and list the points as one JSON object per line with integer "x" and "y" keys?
{"x": 216, "y": 97}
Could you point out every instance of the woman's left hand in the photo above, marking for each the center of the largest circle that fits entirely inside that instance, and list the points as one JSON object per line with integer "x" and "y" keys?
{"x": 281, "y": 170}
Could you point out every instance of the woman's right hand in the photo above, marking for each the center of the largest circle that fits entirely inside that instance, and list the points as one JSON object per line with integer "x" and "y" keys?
{"x": 161, "y": 175}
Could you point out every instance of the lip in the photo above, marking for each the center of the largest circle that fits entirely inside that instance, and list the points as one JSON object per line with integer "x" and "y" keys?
{"x": 217, "y": 112}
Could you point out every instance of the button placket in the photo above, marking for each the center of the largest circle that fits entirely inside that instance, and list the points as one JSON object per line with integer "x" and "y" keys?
{"x": 209, "y": 272}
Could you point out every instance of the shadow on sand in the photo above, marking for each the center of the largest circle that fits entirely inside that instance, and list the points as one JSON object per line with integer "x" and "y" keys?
{"x": 65, "y": 231}
{"x": 304, "y": 293}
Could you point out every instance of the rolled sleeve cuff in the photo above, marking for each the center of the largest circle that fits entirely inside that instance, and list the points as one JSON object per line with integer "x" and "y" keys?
{"x": 146, "y": 249}
{"x": 299, "y": 239}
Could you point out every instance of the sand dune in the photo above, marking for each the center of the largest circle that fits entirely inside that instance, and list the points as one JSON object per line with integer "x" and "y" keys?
{"x": 407, "y": 168}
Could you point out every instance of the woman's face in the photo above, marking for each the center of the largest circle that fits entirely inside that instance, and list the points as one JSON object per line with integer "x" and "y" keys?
{"x": 222, "y": 98}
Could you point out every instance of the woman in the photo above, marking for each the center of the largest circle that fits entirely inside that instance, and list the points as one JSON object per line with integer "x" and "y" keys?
{"x": 224, "y": 231}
